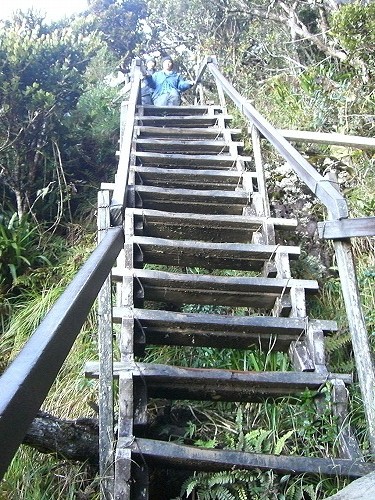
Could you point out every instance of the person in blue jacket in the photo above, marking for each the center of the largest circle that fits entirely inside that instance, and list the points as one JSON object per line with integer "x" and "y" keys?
{"x": 168, "y": 85}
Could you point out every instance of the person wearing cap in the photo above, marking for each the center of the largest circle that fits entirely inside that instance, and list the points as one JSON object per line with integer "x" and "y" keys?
{"x": 146, "y": 90}
{"x": 168, "y": 85}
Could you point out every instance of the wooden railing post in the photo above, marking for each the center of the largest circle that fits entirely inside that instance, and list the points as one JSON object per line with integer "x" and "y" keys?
{"x": 106, "y": 418}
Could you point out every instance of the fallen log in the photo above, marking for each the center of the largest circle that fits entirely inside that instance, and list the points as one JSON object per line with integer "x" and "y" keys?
{"x": 75, "y": 440}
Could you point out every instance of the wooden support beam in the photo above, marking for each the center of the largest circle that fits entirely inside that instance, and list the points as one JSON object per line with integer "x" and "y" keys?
{"x": 347, "y": 228}
{"x": 190, "y": 457}
{"x": 354, "y": 141}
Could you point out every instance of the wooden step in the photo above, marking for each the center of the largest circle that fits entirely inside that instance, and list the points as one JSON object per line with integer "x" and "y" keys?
{"x": 214, "y": 228}
{"x": 232, "y": 291}
{"x": 182, "y": 121}
{"x": 204, "y": 146}
{"x": 185, "y": 178}
{"x": 187, "y": 133}
{"x": 191, "y": 200}
{"x": 212, "y": 384}
{"x": 214, "y": 330}
{"x": 178, "y": 456}
{"x": 195, "y": 161}
{"x": 181, "y": 110}
{"x": 192, "y": 253}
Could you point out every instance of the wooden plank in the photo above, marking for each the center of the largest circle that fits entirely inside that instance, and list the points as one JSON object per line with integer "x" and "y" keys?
{"x": 191, "y": 200}
{"x": 346, "y": 228}
{"x": 213, "y": 227}
{"x": 360, "y": 340}
{"x": 354, "y": 141}
{"x": 189, "y": 160}
{"x": 210, "y": 384}
{"x": 174, "y": 455}
{"x": 185, "y": 178}
{"x": 210, "y": 330}
{"x": 184, "y": 145}
{"x": 208, "y": 289}
{"x": 191, "y": 253}
{"x": 149, "y": 131}
{"x": 105, "y": 345}
{"x": 180, "y": 110}
{"x": 181, "y": 121}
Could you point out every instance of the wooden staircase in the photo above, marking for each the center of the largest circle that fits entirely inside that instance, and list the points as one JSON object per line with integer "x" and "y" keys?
{"x": 195, "y": 205}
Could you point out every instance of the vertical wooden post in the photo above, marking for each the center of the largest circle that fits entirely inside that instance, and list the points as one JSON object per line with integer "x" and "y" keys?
{"x": 357, "y": 326}
{"x": 260, "y": 170}
{"x": 220, "y": 90}
{"x": 106, "y": 423}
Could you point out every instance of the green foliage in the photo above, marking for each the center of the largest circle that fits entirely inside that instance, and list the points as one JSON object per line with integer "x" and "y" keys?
{"x": 41, "y": 79}
{"x": 120, "y": 24}
{"x": 19, "y": 251}
{"x": 354, "y": 26}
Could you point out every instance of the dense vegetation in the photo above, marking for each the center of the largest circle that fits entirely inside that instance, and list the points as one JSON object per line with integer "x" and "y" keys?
{"x": 306, "y": 65}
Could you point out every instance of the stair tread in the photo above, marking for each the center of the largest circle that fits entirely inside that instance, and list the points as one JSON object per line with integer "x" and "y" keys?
{"x": 181, "y": 110}
{"x": 242, "y": 220}
{"x": 149, "y": 131}
{"x": 184, "y": 121}
{"x": 185, "y": 177}
{"x": 174, "y": 288}
{"x": 185, "y": 253}
{"x": 192, "y": 160}
{"x": 215, "y": 330}
{"x": 175, "y": 455}
{"x": 180, "y": 145}
{"x": 191, "y": 200}
{"x": 205, "y": 384}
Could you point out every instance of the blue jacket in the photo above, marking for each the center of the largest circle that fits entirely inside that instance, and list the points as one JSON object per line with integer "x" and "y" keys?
{"x": 163, "y": 82}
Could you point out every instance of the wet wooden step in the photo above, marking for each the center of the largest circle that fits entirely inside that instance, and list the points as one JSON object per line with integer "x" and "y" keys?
{"x": 181, "y": 110}
{"x": 192, "y": 253}
{"x": 182, "y": 121}
{"x": 191, "y": 200}
{"x": 218, "y": 228}
{"x": 190, "y": 133}
{"x": 184, "y": 145}
{"x": 232, "y": 291}
{"x": 179, "y": 456}
{"x": 189, "y": 160}
{"x": 214, "y": 330}
{"x": 211, "y": 384}
{"x": 185, "y": 178}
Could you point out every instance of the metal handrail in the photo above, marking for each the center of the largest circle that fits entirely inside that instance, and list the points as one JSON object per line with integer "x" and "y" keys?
{"x": 126, "y": 137}
{"x": 26, "y": 382}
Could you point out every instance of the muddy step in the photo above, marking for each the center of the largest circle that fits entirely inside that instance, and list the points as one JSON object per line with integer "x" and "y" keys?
{"x": 218, "y": 228}
{"x": 189, "y": 200}
{"x": 214, "y": 330}
{"x": 185, "y": 178}
{"x": 192, "y": 253}
{"x": 231, "y": 291}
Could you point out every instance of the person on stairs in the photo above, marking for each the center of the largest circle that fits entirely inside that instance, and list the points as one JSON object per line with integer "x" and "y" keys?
{"x": 168, "y": 85}
{"x": 146, "y": 90}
